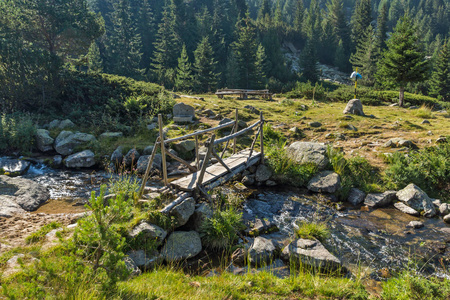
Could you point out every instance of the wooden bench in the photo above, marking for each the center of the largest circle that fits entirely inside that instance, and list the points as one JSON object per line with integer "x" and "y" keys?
{"x": 243, "y": 94}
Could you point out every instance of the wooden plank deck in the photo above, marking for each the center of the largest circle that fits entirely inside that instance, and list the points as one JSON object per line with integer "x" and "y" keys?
{"x": 213, "y": 172}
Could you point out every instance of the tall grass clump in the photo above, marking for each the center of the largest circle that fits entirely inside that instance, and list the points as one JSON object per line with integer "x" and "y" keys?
{"x": 424, "y": 112}
{"x": 428, "y": 168}
{"x": 309, "y": 230}
{"x": 221, "y": 231}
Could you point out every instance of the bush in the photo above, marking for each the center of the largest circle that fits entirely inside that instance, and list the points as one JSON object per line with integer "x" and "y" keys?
{"x": 311, "y": 230}
{"x": 220, "y": 231}
{"x": 427, "y": 168}
{"x": 308, "y": 91}
{"x": 17, "y": 132}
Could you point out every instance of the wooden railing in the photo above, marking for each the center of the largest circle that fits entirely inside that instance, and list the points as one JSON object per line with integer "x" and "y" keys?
{"x": 211, "y": 144}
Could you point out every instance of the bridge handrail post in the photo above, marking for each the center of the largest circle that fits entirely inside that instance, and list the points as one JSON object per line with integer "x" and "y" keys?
{"x": 262, "y": 136}
{"x": 163, "y": 150}
{"x": 205, "y": 160}
{"x": 149, "y": 166}
{"x": 236, "y": 130}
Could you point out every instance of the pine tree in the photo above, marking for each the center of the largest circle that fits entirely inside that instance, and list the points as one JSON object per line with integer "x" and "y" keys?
{"x": 404, "y": 60}
{"x": 165, "y": 57}
{"x": 146, "y": 30}
{"x": 440, "y": 79}
{"x": 184, "y": 80}
{"x": 308, "y": 60}
{"x": 341, "y": 58}
{"x": 277, "y": 16}
{"x": 205, "y": 66}
{"x": 361, "y": 19}
{"x": 381, "y": 32}
{"x": 341, "y": 31}
{"x": 299, "y": 14}
{"x": 95, "y": 62}
{"x": 264, "y": 10}
{"x": 125, "y": 43}
{"x": 260, "y": 67}
{"x": 232, "y": 71}
{"x": 365, "y": 57}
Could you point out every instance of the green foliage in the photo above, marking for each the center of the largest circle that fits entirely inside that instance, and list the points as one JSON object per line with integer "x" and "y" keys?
{"x": 410, "y": 285}
{"x": 17, "y": 132}
{"x": 308, "y": 91}
{"x": 126, "y": 184}
{"x": 40, "y": 234}
{"x": 205, "y": 66}
{"x": 185, "y": 79}
{"x": 427, "y": 168}
{"x": 440, "y": 80}
{"x": 220, "y": 231}
{"x": 312, "y": 230}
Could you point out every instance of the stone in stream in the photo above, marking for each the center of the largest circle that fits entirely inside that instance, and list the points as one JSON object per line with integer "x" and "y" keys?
{"x": 28, "y": 194}
{"x": 406, "y": 209}
{"x": 44, "y": 141}
{"x": 356, "y": 196}
{"x": 181, "y": 245}
{"x": 447, "y": 218}
{"x": 417, "y": 199}
{"x": 13, "y": 167}
{"x": 83, "y": 159}
{"x": 146, "y": 231}
{"x": 117, "y": 156}
{"x": 380, "y": 199}
{"x": 248, "y": 180}
{"x": 308, "y": 152}
{"x": 325, "y": 182}
{"x": 261, "y": 226}
{"x": 444, "y": 209}
{"x": 263, "y": 173}
{"x": 143, "y": 163}
{"x": 261, "y": 252}
{"x": 66, "y": 141}
{"x": 354, "y": 107}
{"x": 415, "y": 224}
{"x": 311, "y": 253}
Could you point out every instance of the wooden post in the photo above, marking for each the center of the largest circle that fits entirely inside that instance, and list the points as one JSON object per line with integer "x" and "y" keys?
{"x": 262, "y": 136}
{"x": 205, "y": 160}
{"x": 149, "y": 166}
{"x": 163, "y": 150}
{"x": 235, "y": 130}
{"x": 196, "y": 152}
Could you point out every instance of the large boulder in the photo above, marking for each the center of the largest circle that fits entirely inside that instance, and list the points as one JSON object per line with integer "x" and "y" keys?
{"x": 145, "y": 261}
{"x": 183, "y": 113}
{"x": 67, "y": 141}
{"x": 44, "y": 141}
{"x": 182, "y": 245}
{"x": 261, "y": 252}
{"x": 354, "y": 107}
{"x": 8, "y": 207}
{"x": 143, "y": 163}
{"x": 117, "y": 156}
{"x": 110, "y": 135}
{"x": 184, "y": 146}
{"x": 147, "y": 231}
{"x": 131, "y": 158}
{"x": 311, "y": 253}
{"x": 83, "y": 159}
{"x": 308, "y": 152}
{"x": 201, "y": 213}
{"x": 325, "y": 182}
{"x": 61, "y": 124}
{"x": 356, "y": 196}
{"x": 183, "y": 211}
{"x": 263, "y": 173}
{"x": 131, "y": 267}
{"x": 13, "y": 167}
{"x": 28, "y": 194}
{"x": 417, "y": 199}
{"x": 380, "y": 199}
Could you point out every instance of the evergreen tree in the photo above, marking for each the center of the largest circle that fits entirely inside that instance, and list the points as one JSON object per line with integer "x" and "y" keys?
{"x": 381, "y": 32}
{"x": 341, "y": 31}
{"x": 404, "y": 60}
{"x": 361, "y": 19}
{"x": 308, "y": 60}
{"x": 365, "y": 57}
{"x": 165, "y": 57}
{"x": 232, "y": 71}
{"x": 125, "y": 43}
{"x": 260, "y": 67}
{"x": 264, "y": 10}
{"x": 184, "y": 80}
{"x": 299, "y": 13}
{"x": 95, "y": 62}
{"x": 440, "y": 79}
{"x": 277, "y": 18}
{"x": 205, "y": 66}
{"x": 341, "y": 58}
{"x": 146, "y": 30}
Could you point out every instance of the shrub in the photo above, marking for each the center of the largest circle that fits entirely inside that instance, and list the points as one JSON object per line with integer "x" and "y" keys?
{"x": 17, "y": 132}
{"x": 309, "y": 230}
{"x": 428, "y": 168}
{"x": 308, "y": 91}
{"x": 220, "y": 231}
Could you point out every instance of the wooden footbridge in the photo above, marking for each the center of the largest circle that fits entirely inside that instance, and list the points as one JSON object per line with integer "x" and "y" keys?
{"x": 205, "y": 176}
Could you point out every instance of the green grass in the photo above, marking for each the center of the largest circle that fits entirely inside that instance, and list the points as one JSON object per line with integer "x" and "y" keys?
{"x": 424, "y": 112}
{"x": 40, "y": 234}
{"x": 311, "y": 230}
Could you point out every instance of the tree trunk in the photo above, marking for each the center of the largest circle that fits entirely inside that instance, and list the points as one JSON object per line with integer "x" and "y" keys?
{"x": 401, "y": 96}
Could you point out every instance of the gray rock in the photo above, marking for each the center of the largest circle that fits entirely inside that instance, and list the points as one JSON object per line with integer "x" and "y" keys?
{"x": 132, "y": 267}
{"x": 351, "y": 127}
{"x": 183, "y": 113}
{"x": 415, "y": 224}
{"x": 145, "y": 261}
{"x": 261, "y": 226}
{"x": 148, "y": 231}
{"x": 261, "y": 252}
{"x": 315, "y": 124}
{"x": 152, "y": 126}
{"x": 201, "y": 213}
{"x": 183, "y": 211}
{"x": 148, "y": 150}
{"x": 44, "y": 141}
{"x": 54, "y": 124}
{"x": 181, "y": 245}
{"x": 308, "y": 152}
{"x": 325, "y": 182}
{"x": 110, "y": 135}
{"x": 399, "y": 143}
{"x": 131, "y": 158}
{"x": 67, "y": 141}
{"x": 295, "y": 130}
{"x": 209, "y": 113}
{"x": 356, "y": 196}
{"x": 117, "y": 156}
{"x": 248, "y": 180}
{"x": 436, "y": 202}
{"x": 447, "y": 218}
{"x": 444, "y": 209}
{"x": 354, "y": 107}
{"x": 311, "y": 253}
{"x": 225, "y": 120}
{"x": 28, "y": 194}
{"x": 271, "y": 183}
{"x": 441, "y": 140}
{"x": 380, "y": 199}
{"x": 8, "y": 207}
{"x": 142, "y": 163}
{"x": 417, "y": 199}
{"x": 406, "y": 209}
{"x": 242, "y": 124}
{"x": 66, "y": 124}
{"x": 13, "y": 167}
{"x": 263, "y": 173}
{"x": 83, "y": 159}
{"x": 184, "y": 146}
{"x": 56, "y": 161}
